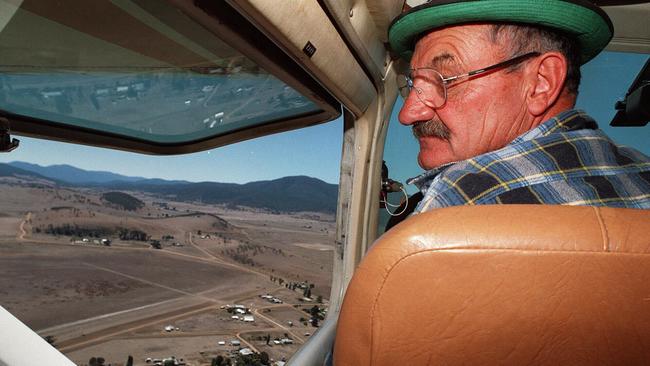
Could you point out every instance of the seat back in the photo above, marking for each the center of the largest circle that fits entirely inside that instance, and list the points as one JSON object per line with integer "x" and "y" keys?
{"x": 506, "y": 285}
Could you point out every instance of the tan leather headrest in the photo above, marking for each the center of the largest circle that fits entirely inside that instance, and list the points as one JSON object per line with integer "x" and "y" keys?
{"x": 504, "y": 285}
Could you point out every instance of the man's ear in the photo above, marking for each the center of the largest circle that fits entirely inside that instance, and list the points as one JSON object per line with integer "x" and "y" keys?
{"x": 547, "y": 75}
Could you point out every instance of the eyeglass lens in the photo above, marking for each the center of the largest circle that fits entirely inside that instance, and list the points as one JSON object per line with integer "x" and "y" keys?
{"x": 427, "y": 84}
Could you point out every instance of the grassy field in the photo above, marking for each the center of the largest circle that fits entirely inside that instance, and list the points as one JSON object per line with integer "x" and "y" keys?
{"x": 112, "y": 301}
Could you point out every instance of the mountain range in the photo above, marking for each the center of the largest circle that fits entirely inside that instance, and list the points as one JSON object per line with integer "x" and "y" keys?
{"x": 288, "y": 194}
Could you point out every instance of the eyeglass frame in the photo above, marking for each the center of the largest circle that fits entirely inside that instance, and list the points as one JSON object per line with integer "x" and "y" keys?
{"x": 446, "y": 81}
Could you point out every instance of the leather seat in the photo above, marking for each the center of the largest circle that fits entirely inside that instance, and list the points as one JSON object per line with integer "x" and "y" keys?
{"x": 503, "y": 285}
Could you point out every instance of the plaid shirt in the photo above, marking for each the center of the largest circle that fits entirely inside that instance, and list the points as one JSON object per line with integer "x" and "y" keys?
{"x": 565, "y": 160}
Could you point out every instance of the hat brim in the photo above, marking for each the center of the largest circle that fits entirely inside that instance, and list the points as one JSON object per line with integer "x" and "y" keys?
{"x": 587, "y": 23}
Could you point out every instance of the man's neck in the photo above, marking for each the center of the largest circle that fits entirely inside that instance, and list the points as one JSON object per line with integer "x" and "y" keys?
{"x": 564, "y": 103}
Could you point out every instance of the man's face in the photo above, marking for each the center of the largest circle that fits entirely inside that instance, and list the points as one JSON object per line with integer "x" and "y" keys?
{"x": 481, "y": 114}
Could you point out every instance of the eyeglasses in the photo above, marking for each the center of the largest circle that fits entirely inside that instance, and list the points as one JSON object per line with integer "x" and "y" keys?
{"x": 431, "y": 87}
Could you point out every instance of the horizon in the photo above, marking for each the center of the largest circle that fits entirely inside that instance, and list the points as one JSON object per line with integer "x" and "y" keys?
{"x": 156, "y": 178}
{"x": 313, "y": 151}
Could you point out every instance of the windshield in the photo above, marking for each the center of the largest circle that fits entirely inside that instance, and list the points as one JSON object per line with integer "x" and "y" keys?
{"x": 138, "y": 69}
{"x": 225, "y": 254}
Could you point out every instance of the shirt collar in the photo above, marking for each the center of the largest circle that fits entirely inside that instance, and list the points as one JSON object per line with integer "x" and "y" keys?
{"x": 423, "y": 181}
{"x": 573, "y": 119}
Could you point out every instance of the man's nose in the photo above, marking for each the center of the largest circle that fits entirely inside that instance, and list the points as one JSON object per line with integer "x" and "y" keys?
{"x": 414, "y": 110}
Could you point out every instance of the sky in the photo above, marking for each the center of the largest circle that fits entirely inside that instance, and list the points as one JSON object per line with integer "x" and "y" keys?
{"x": 315, "y": 151}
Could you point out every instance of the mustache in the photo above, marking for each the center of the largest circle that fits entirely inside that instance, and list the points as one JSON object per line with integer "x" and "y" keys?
{"x": 431, "y": 128}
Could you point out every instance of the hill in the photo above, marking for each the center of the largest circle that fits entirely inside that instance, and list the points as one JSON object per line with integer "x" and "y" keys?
{"x": 288, "y": 194}
{"x": 73, "y": 175}
{"x": 7, "y": 170}
{"x": 122, "y": 200}
{"x": 80, "y": 177}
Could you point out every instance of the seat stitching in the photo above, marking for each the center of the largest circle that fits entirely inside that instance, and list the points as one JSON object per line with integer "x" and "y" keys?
{"x": 603, "y": 229}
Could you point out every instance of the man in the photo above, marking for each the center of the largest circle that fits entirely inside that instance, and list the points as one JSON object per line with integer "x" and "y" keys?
{"x": 490, "y": 97}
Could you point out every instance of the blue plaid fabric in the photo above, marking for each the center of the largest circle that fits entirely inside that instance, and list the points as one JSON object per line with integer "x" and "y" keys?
{"x": 566, "y": 160}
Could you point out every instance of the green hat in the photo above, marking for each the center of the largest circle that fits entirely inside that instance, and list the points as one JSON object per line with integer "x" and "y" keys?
{"x": 588, "y": 24}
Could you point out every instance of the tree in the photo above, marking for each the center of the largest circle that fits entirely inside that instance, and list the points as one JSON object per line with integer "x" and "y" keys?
{"x": 314, "y": 311}
{"x": 96, "y": 361}
{"x": 217, "y": 361}
{"x": 50, "y": 339}
{"x": 264, "y": 358}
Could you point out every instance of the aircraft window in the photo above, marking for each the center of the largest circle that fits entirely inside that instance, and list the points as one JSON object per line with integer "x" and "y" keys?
{"x": 175, "y": 265}
{"x": 140, "y": 69}
{"x": 605, "y": 80}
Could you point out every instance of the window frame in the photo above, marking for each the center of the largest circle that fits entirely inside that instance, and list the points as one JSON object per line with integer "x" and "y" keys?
{"x": 239, "y": 33}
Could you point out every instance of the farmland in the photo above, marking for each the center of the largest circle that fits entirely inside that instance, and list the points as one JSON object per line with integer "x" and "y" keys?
{"x": 71, "y": 271}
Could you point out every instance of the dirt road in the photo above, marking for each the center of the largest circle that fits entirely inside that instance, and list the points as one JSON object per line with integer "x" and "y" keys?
{"x": 92, "y": 338}
{"x": 21, "y": 230}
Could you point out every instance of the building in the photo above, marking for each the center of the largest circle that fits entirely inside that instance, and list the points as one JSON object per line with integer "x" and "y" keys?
{"x": 245, "y": 351}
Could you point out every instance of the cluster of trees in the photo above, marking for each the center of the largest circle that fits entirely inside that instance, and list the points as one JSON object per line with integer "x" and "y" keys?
{"x": 279, "y": 280}
{"x": 293, "y": 286}
{"x": 219, "y": 223}
{"x": 306, "y": 287}
{"x": 59, "y": 208}
{"x": 96, "y": 361}
{"x": 289, "y": 285}
{"x": 255, "y": 359}
{"x": 123, "y": 201}
{"x": 160, "y": 204}
{"x": 221, "y": 361}
{"x": 249, "y": 247}
{"x": 74, "y": 230}
{"x": 241, "y": 258}
{"x": 100, "y": 361}
{"x": 93, "y": 232}
{"x": 132, "y": 234}
{"x": 307, "y": 292}
{"x": 315, "y": 315}
{"x": 266, "y": 338}
{"x": 244, "y": 245}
